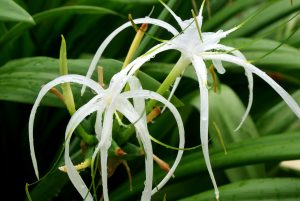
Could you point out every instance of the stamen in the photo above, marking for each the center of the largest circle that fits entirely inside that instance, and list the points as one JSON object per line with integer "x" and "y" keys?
{"x": 195, "y": 7}
{"x": 128, "y": 173}
{"x": 100, "y": 76}
{"x": 120, "y": 152}
{"x": 85, "y": 164}
{"x": 213, "y": 75}
{"x": 220, "y": 137}
{"x": 162, "y": 164}
{"x": 119, "y": 119}
{"x": 57, "y": 93}
{"x": 208, "y": 8}
{"x": 197, "y": 25}
{"x": 136, "y": 28}
{"x": 153, "y": 114}
{"x": 136, "y": 41}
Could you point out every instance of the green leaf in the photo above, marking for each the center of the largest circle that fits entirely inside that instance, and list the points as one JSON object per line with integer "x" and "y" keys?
{"x": 228, "y": 12}
{"x": 21, "y": 80}
{"x": 279, "y": 118}
{"x": 259, "y": 44}
{"x": 50, "y": 186}
{"x": 285, "y": 60}
{"x": 252, "y": 151}
{"x": 11, "y": 11}
{"x": 283, "y": 189}
{"x": 274, "y": 12}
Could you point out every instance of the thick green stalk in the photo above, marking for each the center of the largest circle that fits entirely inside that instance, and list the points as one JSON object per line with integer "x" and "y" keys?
{"x": 177, "y": 70}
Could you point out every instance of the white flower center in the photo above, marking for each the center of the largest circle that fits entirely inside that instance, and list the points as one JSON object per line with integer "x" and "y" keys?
{"x": 190, "y": 43}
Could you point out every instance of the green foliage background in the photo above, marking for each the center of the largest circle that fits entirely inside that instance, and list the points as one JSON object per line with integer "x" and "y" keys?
{"x": 29, "y": 47}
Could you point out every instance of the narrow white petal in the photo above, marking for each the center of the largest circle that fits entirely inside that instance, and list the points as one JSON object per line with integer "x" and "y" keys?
{"x": 103, "y": 161}
{"x": 129, "y": 112}
{"x": 138, "y": 103}
{"x": 218, "y": 65}
{"x": 103, "y": 146}
{"x": 62, "y": 79}
{"x": 98, "y": 123}
{"x": 200, "y": 69}
{"x": 78, "y": 116}
{"x": 285, "y": 96}
{"x": 132, "y": 67}
{"x": 175, "y": 85}
{"x": 106, "y": 42}
{"x": 138, "y": 62}
{"x": 174, "y": 111}
{"x": 201, "y": 72}
{"x": 249, "y": 78}
{"x": 250, "y": 100}
{"x": 201, "y": 8}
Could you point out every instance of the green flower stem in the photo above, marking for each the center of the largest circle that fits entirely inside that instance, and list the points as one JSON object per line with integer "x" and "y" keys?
{"x": 177, "y": 70}
{"x": 86, "y": 137}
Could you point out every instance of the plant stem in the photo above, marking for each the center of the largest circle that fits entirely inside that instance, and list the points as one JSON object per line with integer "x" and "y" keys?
{"x": 177, "y": 70}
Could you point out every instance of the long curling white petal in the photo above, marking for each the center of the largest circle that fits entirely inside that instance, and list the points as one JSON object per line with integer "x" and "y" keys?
{"x": 103, "y": 146}
{"x": 175, "y": 85}
{"x": 174, "y": 111}
{"x": 98, "y": 123}
{"x": 285, "y": 96}
{"x": 103, "y": 161}
{"x": 75, "y": 120}
{"x": 140, "y": 125}
{"x": 132, "y": 67}
{"x": 218, "y": 65}
{"x": 105, "y": 43}
{"x": 249, "y": 78}
{"x": 250, "y": 99}
{"x": 138, "y": 103}
{"x": 201, "y": 73}
{"x": 62, "y": 79}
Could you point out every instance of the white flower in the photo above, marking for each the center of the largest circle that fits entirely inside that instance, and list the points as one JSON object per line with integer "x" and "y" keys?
{"x": 196, "y": 47}
{"x": 107, "y": 102}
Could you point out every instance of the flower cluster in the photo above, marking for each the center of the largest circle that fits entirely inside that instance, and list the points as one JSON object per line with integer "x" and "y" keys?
{"x": 195, "y": 47}
{"x": 105, "y": 103}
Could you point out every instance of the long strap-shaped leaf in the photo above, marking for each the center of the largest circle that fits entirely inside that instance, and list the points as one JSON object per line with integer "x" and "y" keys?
{"x": 283, "y": 189}
{"x": 260, "y": 150}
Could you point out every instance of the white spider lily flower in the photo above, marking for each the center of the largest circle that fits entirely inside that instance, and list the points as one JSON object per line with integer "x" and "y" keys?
{"x": 196, "y": 47}
{"x": 107, "y": 102}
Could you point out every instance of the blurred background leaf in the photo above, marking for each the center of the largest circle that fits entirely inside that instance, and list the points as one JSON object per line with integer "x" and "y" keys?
{"x": 11, "y": 11}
